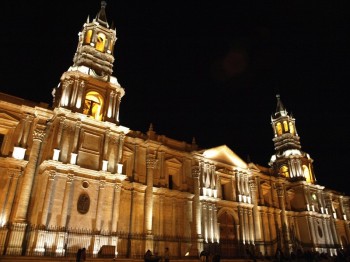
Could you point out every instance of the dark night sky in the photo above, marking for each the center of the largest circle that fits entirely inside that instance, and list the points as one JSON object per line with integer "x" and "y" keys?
{"x": 207, "y": 70}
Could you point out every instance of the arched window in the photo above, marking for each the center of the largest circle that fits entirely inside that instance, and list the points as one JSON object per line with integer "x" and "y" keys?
{"x": 285, "y": 125}
{"x": 93, "y": 105}
{"x": 291, "y": 128}
{"x": 100, "y": 42}
{"x": 306, "y": 173}
{"x": 88, "y": 36}
{"x": 279, "y": 128}
{"x": 284, "y": 171}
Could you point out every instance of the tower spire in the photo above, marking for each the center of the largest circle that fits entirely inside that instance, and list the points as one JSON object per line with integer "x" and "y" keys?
{"x": 280, "y": 109}
{"x": 101, "y": 16}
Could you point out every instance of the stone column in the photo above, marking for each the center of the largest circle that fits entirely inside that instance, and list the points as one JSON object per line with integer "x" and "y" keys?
{"x": 70, "y": 178}
{"x": 272, "y": 228}
{"x": 161, "y": 215}
{"x": 234, "y": 191}
{"x": 76, "y": 136}
{"x": 47, "y": 198}
{"x": 106, "y": 143}
{"x": 173, "y": 216}
{"x": 115, "y": 215}
{"x": 251, "y": 226}
{"x": 205, "y": 221}
{"x": 99, "y": 213}
{"x": 332, "y": 220}
{"x": 325, "y": 230}
{"x": 284, "y": 221}
{"x": 198, "y": 238}
{"x": 17, "y": 231}
{"x": 150, "y": 164}
{"x": 120, "y": 150}
{"x": 196, "y": 202}
{"x": 28, "y": 177}
{"x": 265, "y": 230}
{"x": 118, "y": 99}
{"x": 210, "y": 223}
{"x": 246, "y": 226}
{"x": 60, "y": 131}
{"x": 241, "y": 222}
{"x": 9, "y": 194}
{"x": 312, "y": 230}
{"x": 256, "y": 215}
{"x": 27, "y": 127}
{"x": 113, "y": 153}
{"x": 216, "y": 226}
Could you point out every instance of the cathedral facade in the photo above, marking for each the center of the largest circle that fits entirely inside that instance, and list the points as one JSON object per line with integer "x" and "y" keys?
{"x": 71, "y": 176}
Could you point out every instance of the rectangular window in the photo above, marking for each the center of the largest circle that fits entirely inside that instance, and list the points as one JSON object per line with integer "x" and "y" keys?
{"x": 170, "y": 184}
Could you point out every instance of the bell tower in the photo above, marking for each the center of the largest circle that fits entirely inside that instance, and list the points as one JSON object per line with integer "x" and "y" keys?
{"x": 289, "y": 161}
{"x": 88, "y": 86}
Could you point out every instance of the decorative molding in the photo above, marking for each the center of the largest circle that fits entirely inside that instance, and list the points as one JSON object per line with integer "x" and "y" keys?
{"x": 38, "y": 135}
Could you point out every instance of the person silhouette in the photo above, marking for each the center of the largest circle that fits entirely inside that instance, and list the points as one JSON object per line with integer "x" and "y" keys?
{"x": 166, "y": 255}
{"x": 83, "y": 254}
{"x": 78, "y": 256}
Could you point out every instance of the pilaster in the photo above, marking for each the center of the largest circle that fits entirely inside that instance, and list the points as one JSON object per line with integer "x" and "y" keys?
{"x": 28, "y": 177}
{"x": 151, "y": 165}
{"x": 115, "y": 215}
{"x": 67, "y": 190}
{"x": 47, "y": 199}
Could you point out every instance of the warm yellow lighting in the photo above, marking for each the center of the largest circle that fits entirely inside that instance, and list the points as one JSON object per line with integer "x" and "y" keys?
{"x": 18, "y": 153}
{"x": 78, "y": 105}
{"x": 120, "y": 168}
{"x": 291, "y": 128}
{"x": 2, "y": 221}
{"x": 279, "y": 128}
{"x": 225, "y": 154}
{"x": 56, "y": 154}
{"x": 284, "y": 171}
{"x": 100, "y": 43}
{"x": 93, "y": 105}
{"x": 73, "y": 158}
{"x": 306, "y": 174}
{"x": 88, "y": 36}
{"x": 104, "y": 165}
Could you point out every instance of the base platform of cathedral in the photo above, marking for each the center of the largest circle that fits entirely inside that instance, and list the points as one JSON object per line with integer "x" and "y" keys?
{"x": 72, "y": 259}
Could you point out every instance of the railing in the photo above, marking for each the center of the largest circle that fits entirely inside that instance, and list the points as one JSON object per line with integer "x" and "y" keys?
{"x": 65, "y": 242}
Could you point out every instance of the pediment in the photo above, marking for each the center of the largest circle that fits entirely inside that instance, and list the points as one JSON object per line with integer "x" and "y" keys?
{"x": 173, "y": 160}
{"x": 252, "y": 166}
{"x": 225, "y": 155}
{"x": 265, "y": 185}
